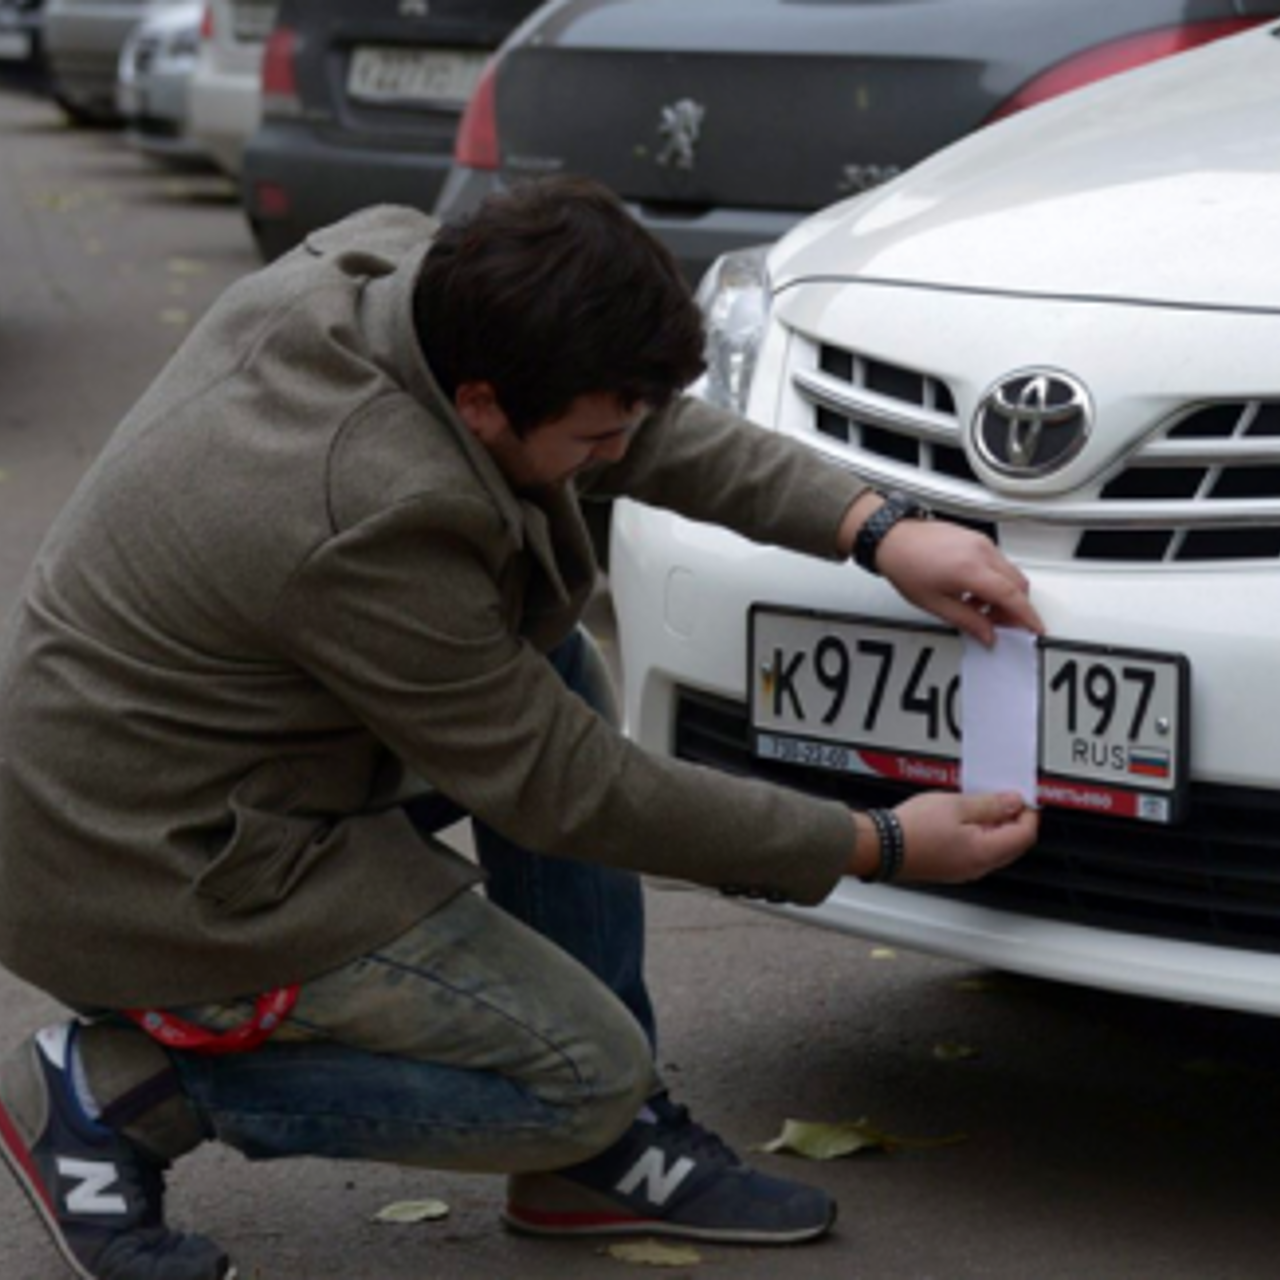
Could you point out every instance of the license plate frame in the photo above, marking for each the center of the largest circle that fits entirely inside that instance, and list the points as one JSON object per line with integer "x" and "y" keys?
{"x": 1148, "y": 781}
{"x": 388, "y": 75}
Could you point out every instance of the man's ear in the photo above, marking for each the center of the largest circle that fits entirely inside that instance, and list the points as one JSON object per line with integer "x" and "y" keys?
{"x": 482, "y": 415}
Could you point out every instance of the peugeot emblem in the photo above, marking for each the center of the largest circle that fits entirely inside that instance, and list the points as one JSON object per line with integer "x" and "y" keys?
{"x": 680, "y": 128}
{"x": 1032, "y": 422}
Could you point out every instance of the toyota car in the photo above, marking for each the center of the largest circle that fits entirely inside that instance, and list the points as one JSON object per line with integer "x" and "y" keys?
{"x": 1063, "y": 331}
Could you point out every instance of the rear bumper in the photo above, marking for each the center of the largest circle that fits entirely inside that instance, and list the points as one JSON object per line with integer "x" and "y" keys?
{"x": 318, "y": 182}
{"x": 225, "y": 109}
{"x": 696, "y": 238}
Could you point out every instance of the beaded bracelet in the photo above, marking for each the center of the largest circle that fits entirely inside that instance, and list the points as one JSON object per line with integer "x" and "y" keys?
{"x": 893, "y": 846}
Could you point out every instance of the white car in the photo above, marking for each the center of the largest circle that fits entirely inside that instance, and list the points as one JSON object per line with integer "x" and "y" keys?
{"x": 1064, "y": 329}
{"x": 226, "y": 93}
{"x": 83, "y": 40}
{"x": 153, "y": 84}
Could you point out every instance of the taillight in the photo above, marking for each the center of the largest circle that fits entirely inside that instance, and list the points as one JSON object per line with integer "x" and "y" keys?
{"x": 206, "y": 24}
{"x": 1119, "y": 55}
{"x": 279, "y": 83}
{"x": 476, "y": 145}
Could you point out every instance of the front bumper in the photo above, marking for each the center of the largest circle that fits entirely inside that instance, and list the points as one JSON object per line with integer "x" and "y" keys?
{"x": 1190, "y": 913}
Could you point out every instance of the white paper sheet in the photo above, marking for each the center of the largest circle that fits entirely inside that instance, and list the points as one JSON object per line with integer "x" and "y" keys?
{"x": 1000, "y": 713}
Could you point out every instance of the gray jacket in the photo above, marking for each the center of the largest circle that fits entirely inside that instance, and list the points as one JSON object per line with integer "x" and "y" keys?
{"x": 291, "y": 575}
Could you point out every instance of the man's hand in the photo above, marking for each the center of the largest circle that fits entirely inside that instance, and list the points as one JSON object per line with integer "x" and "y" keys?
{"x": 949, "y": 571}
{"x": 951, "y": 838}
{"x": 959, "y": 576}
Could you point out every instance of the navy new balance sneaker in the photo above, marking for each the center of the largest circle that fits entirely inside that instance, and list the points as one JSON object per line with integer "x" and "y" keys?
{"x": 100, "y": 1196}
{"x": 668, "y": 1176}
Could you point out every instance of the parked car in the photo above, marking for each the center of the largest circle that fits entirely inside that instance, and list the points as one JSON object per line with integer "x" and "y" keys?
{"x": 22, "y": 60}
{"x": 226, "y": 89}
{"x": 1062, "y": 329}
{"x": 83, "y": 43}
{"x": 723, "y": 122}
{"x": 153, "y": 85}
{"x": 361, "y": 102}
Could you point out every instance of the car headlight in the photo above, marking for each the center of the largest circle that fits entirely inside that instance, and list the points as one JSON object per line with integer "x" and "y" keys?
{"x": 734, "y": 297}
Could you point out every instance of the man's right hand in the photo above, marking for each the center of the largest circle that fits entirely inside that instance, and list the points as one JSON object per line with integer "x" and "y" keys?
{"x": 952, "y": 838}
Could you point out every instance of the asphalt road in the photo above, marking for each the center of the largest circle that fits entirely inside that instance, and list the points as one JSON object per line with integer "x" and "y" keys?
{"x": 1090, "y": 1137}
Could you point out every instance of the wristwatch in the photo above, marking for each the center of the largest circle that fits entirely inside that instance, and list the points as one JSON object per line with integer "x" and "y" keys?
{"x": 897, "y": 506}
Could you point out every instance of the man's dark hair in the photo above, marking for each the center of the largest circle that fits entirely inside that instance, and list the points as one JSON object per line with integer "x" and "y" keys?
{"x": 550, "y": 291}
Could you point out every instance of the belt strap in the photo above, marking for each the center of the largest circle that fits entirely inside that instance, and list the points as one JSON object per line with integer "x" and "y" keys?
{"x": 269, "y": 1010}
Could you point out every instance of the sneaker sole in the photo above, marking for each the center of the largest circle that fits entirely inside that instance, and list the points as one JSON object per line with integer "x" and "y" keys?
{"x": 17, "y": 1157}
{"x": 558, "y": 1225}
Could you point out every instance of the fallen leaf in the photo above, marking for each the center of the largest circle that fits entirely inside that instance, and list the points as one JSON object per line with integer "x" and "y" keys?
{"x": 413, "y": 1211}
{"x": 949, "y": 1051}
{"x": 883, "y": 953}
{"x": 818, "y": 1141}
{"x": 56, "y": 201}
{"x": 977, "y": 984}
{"x": 185, "y": 267}
{"x": 174, "y": 316}
{"x": 653, "y": 1253}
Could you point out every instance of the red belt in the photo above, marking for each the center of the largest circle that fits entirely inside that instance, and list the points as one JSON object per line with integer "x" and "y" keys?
{"x": 269, "y": 1011}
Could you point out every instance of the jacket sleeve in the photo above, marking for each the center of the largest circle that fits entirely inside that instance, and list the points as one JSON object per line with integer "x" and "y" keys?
{"x": 714, "y": 466}
{"x": 401, "y": 616}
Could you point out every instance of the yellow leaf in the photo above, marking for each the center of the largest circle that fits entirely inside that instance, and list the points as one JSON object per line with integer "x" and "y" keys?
{"x": 413, "y": 1211}
{"x": 949, "y": 1051}
{"x": 174, "y": 316}
{"x": 977, "y": 984}
{"x": 817, "y": 1141}
{"x": 884, "y": 953}
{"x": 185, "y": 267}
{"x": 652, "y": 1253}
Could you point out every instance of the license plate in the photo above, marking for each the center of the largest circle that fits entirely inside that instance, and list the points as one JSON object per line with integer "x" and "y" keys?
{"x": 413, "y": 75}
{"x": 15, "y": 46}
{"x": 858, "y": 695}
{"x": 253, "y": 20}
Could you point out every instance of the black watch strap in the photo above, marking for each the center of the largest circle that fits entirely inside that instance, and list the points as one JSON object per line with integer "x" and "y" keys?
{"x": 897, "y": 506}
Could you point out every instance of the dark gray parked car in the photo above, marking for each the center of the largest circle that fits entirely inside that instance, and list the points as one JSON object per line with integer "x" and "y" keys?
{"x": 723, "y": 122}
{"x": 361, "y": 100}
{"x": 22, "y": 60}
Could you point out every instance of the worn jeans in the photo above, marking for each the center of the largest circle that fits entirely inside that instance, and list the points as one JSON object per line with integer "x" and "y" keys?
{"x": 501, "y": 1036}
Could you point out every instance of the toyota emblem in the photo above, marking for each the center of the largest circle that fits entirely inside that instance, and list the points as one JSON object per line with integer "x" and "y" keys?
{"x": 1032, "y": 422}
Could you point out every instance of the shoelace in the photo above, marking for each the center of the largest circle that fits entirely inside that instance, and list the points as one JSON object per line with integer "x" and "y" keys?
{"x": 689, "y": 1135}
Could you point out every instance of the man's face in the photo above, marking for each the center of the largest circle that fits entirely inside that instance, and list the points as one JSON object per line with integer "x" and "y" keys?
{"x": 596, "y": 428}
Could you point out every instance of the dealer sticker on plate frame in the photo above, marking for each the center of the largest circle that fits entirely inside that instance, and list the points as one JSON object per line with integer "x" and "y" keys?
{"x": 861, "y": 695}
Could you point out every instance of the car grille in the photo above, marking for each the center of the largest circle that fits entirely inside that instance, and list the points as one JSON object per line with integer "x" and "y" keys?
{"x": 1204, "y": 486}
{"x": 1214, "y": 879}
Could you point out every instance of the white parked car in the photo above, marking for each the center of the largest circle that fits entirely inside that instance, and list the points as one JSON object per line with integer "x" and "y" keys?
{"x": 226, "y": 93}
{"x": 153, "y": 84}
{"x": 1064, "y": 329}
{"x": 83, "y": 40}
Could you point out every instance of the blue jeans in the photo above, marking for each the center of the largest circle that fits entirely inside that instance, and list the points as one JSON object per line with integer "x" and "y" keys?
{"x": 501, "y": 1036}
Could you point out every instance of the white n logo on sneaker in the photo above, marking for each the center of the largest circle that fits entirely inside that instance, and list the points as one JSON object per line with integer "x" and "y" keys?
{"x": 95, "y": 1177}
{"x": 660, "y": 1183}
